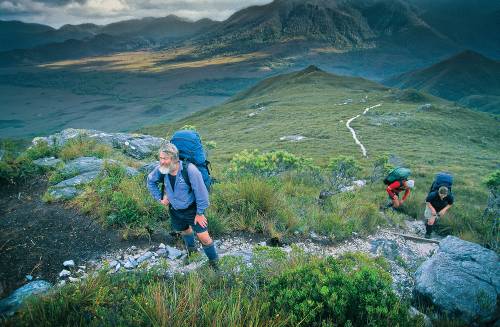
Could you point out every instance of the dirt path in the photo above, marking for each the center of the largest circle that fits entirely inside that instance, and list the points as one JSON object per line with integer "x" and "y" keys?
{"x": 353, "y": 132}
{"x": 36, "y": 237}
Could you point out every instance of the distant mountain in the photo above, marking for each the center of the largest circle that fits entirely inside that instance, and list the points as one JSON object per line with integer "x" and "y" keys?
{"x": 32, "y": 43}
{"x": 341, "y": 24}
{"x": 467, "y": 76}
{"x": 98, "y": 45}
{"x": 19, "y": 35}
{"x": 470, "y": 24}
{"x": 158, "y": 29}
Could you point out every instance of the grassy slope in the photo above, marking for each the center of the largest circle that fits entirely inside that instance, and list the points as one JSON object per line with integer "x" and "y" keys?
{"x": 444, "y": 137}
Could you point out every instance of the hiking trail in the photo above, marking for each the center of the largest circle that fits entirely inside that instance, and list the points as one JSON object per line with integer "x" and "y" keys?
{"x": 353, "y": 132}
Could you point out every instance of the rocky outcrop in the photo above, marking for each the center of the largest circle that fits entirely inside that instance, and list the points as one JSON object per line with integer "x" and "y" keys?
{"x": 9, "y": 305}
{"x": 461, "y": 279}
{"x": 138, "y": 146}
{"x": 86, "y": 170}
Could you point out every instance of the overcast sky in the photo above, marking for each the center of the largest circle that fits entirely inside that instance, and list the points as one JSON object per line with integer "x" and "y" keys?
{"x": 59, "y": 12}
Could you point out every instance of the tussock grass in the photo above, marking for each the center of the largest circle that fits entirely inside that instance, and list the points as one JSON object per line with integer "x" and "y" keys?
{"x": 242, "y": 295}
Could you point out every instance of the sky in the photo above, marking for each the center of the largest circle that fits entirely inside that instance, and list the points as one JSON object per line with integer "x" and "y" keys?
{"x": 59, "y": 12}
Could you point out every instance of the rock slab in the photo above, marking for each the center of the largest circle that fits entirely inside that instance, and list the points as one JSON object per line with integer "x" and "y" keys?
{"x": 462, "y": 279}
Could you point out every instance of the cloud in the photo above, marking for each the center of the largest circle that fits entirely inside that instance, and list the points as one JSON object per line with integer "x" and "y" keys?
{"x": 60, "y": 12}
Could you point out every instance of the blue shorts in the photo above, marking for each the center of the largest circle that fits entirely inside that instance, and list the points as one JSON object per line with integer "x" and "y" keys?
{"x": 181, "y": 219}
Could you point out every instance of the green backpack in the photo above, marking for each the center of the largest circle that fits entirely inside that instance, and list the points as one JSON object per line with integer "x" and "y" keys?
{"x": 397, "y": 174}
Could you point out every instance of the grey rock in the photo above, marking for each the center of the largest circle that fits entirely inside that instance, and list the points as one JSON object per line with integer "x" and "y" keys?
{"x": 74, "y": 279}
{"x": 162, "y": 252}
{"x": 65, "y": 193}
{"x": 29, "y": 278}
{"x": 144, "y": 257}
{"x": 69, "y": 263}
{"x": 147, "y": 168}
{"x": 462, "y": 280}
{"x": 130, "y": 263}
{"x": 131, "y": 171}
{"x": 424, "y": 107}
{"x": 161, "y": 246}
{"x": 136, "y": 145}
{"x": 83, "y": 165}
{"x": 64, "y": 273}
{"x": 113, "y": 264}
{"x": 9, "y": 305}
{"x": 82, "y": 179}
{"x": 173, "y": 253}
{"x": 414, "y": 312}
{"x": 386, "y": 248}
{"x": 49, "y": 162}
{"x": 141, "y": 146}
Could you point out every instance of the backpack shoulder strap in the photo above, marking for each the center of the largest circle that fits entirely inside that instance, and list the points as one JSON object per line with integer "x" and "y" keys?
{"x": 162, "y": 181}
{"x": 185, "y": 174}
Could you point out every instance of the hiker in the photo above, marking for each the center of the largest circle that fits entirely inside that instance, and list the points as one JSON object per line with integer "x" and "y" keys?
{"x": 397, "y": 187}
{"x": 187, "y": 200}
{"x": 438, "y": 201}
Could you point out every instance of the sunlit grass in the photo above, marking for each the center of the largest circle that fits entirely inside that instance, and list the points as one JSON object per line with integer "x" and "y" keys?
{"x": 151, "y": 61}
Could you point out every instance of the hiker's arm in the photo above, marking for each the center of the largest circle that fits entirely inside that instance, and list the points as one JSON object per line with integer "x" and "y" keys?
{"x": 199, "y": 189}
{"x": 407, "y": 193}
{"x": 429, "y": 205}
{"x": 153, "y": 179}
{"x": 443, "y": 211}
{"x": 390, "y": 189}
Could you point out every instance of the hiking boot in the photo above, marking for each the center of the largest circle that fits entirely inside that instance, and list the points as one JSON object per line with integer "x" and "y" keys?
{"x": 214, "y": 264}
{"x": 192, "y": 256}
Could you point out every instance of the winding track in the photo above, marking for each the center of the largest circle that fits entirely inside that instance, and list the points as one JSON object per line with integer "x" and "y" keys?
{"x": 353, "y": 132}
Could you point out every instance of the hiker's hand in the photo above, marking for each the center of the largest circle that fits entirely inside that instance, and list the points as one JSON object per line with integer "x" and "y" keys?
{"x": 201, "y": 220}
{"x": 401, "y": 202}
{"x": 164, "y": 201}
{"x": 441, "y": 213}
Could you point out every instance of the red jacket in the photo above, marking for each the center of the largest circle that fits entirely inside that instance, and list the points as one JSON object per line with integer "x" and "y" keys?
{"x": 396, "y": 187}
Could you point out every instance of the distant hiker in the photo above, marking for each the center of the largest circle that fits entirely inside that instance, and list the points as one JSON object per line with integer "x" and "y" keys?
{"x": 186, "y": 196}
{"x": 397, "y": 181}
{"x": 438, "y": 201}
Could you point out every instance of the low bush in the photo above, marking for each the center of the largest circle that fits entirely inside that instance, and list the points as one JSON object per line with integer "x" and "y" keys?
{"x": 120, "y": 200}
{"x": 352, "y": 291}
{"x": 268, "y": 164}
{"x": 84, "y": 147}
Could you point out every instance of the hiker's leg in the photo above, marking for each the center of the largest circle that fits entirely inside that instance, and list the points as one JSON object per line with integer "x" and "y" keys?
{"x": 429, "y": 221}
{"x": 395, "y": 202}
{"x": 209, "y": 249}
{"x": 189, "y": 241}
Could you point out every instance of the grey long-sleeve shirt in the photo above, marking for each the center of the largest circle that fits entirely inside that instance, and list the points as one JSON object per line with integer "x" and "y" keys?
{"x": 181, "y": 196}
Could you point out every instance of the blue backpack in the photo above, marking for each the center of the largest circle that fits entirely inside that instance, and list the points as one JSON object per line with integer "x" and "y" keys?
{"x": 191, "y": 150}
{"x": 442, "y": 179}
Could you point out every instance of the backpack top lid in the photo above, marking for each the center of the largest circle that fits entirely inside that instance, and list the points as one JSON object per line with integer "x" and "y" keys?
{"x": 397, "y": 174}
{"x": 188, "y": 142}
{"x": 442, "y": 179}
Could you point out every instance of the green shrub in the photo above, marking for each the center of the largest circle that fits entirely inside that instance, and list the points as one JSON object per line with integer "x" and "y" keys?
{"x": 268, "y": 164}
{"x": 493, "y": 180}
{"x": 344, "y": 167}
{"x": 342, "y": 171}
{"x": 350, "y": 291}
{"x": 20, "y": 168}
{"x": 120, "y": 200}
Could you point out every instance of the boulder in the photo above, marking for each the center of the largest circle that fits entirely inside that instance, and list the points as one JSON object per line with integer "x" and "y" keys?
{"x": 138, "y": 146}
{"x": 9, "y": 305}
{"x": 65, "y": 193}
{"x": 147, "y": 168}
{"x": 83, "y": 165}
{"x": 78, "y": 180}
{"x": 48, "y": 162}
{"x": 462, "y": 280}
